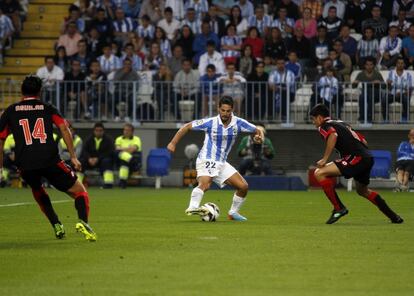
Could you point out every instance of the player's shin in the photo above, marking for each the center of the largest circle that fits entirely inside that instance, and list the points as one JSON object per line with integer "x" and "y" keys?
{"x": 82, "y": 205}
{"x": 328, "y": 187}
{"x": 236, "y": 204}
{"x": 196, "y": 198}
{"x": 43, "y": 200}
{"x": 377, "y": 200}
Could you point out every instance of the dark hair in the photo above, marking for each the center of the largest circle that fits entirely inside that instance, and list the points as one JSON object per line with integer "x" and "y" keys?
{"x": 100, "y": 9}
{"x": 186, "y": 60}
{"x": 49, "y": 57}
{"x": 331, "y": 7}
{"x": 129, "y": 125}
{"x": 74, "y": 61}
{"x": 231, "y": 64}
{"x": 73, "y": 7}
{"x": 145, "y": 17}
{"x": 211, "y": 67}
{"x": 168, "y": 9}
{"x": 239, "y": 19}
{"x": 370, "y": 59}
{"x": 319, "y": 109}
{"x": 98, "y": 124}
{"x": 322, "y": 27}
{"x": 31, "y": 86}
{"x": 400, "y": 58}
{"x": 128, "y": 44}
{"x": 251, "y": 29}
{"x": 211, "y": 43}
{"x": 226, "y": 100}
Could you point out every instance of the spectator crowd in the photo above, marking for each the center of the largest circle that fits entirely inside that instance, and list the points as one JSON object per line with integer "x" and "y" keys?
{"x": 193, "y": 43}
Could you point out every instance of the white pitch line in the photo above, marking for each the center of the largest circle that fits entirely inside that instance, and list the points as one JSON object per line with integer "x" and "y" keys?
{"x": 29, "y": 203}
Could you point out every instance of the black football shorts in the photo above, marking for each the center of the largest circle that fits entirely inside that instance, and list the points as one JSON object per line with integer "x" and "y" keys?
{"x": 356, "y": 167}
{"x": 60, "y": 175}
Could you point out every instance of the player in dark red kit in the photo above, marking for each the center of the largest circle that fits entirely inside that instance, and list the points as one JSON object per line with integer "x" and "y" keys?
{"x": 36, "y": 154}
{"x": 356, "y": 162}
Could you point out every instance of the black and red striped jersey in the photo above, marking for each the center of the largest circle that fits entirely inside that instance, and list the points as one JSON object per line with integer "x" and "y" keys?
{"x": 349, "y": 142}
{"x": 31, "y": 123}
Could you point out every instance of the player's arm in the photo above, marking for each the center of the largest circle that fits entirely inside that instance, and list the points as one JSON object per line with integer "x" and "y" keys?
{"x": 67, "y": 137}
{"x": 330, "y": 146}
{"x": 1, "y": 157}
{"x": 178, "y": 136}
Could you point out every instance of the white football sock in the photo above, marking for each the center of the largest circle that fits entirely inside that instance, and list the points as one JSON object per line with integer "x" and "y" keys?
{"x": 196, "y": 197}
{"x": 237, "y": 203}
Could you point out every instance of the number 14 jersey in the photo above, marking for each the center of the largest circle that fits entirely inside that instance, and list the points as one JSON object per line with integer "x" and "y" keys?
{"x": 31, "y": 123}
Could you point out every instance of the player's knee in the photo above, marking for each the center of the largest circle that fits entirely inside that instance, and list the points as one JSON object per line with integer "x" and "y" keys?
{"x": 318, "y": 174}
{"x": 362, "y": 191}
{"x": 204, "y": 186}
{"x": 76, "y": 188}
{"x": 244, "y": 187}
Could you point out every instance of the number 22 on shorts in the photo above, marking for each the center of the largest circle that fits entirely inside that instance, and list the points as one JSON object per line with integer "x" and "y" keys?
{"x": 210, "y": 165}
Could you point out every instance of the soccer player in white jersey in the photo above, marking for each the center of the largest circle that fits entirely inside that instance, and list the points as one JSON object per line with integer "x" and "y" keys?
{"x": 212, "y": 166}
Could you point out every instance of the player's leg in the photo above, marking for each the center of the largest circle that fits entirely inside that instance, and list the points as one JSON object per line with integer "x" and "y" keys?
{"x": 239, "y": 197}
{"x": 376, "y": 199}
{"x": 63, "y": 178}
{"x": 204, "y": 183}
{"x": 79, "y": 193}
{"x": 325, "y": 178}
{"x": 33, "y": 179}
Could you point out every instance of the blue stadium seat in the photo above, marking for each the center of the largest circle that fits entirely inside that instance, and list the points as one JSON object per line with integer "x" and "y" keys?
{"x": 382, "y": 165}
{"x": 158, "y": 162}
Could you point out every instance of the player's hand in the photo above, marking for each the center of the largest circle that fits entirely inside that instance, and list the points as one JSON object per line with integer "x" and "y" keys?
{"x": 321, "y": 163}
{"x": 76, "y": 163}
{"x": 171, "y": 147}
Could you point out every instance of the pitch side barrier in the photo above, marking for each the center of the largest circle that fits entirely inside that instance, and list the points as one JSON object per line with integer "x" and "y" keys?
{"x": 276, "y": 104}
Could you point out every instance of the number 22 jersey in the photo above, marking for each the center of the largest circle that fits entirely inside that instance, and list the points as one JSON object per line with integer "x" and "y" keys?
{"x": 31, "y": 123}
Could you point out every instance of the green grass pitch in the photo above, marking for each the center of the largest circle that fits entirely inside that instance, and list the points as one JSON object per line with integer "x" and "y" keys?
{"x": 147, "y": 246}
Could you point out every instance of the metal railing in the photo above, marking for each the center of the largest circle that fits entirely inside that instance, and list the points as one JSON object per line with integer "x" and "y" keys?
{"x": 159, "y": 101}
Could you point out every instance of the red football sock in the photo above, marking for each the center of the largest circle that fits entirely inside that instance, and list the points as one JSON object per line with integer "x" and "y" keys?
{"x": 43, "y": 200}
{"x": 82, "y": 205}
{"x": 372, "y": 197}
{"x": 329, "y": 189}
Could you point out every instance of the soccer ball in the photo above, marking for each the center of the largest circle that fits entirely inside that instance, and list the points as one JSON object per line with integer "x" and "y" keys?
{"x": 213, "y": 212}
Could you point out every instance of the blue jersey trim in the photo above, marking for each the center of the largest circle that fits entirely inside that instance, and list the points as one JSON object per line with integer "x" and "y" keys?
{"x": 219, "y": 140}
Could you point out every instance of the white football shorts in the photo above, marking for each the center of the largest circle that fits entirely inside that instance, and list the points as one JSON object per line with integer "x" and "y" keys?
{"x": 219, "y": 171}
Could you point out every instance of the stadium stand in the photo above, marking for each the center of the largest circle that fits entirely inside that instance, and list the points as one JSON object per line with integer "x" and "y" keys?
{"x": 122, "y": 24}
{"x": 119, "y": 25}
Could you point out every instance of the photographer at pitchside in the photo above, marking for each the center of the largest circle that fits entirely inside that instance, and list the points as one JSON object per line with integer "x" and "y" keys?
{"x": 256, "y": 157}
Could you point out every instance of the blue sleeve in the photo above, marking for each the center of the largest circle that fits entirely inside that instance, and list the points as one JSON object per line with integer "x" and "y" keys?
{"x": 402, "y": 151}
{"x": 245, "y": 126}
{"x": 404, "y": 43}
{"x": 198, "y": 45}
{"x": 201, "y": 125}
